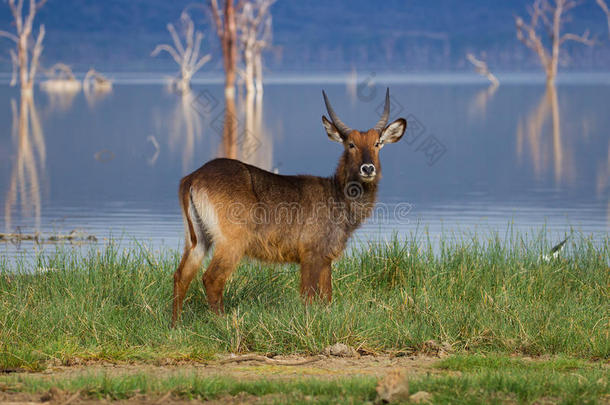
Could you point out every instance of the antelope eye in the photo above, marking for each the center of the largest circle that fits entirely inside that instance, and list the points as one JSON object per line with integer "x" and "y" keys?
{"x": 351, "y": 145}
{"x": 377, "y": 144}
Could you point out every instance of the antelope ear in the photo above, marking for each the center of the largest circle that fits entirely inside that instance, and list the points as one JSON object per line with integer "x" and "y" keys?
{"x": 393, "y": 132}
{"x": 331, "y": 130}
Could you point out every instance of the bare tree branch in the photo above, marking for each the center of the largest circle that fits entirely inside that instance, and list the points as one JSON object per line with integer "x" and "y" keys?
{"x": 40, "y": 4}
{"x": 539, "y": 11}
{"x": 60, "y": 71}
{"x": 175, "y": 38}
{"x": 16, "y": 10}
{"x": 34, "y": 7}
{"x": 36, "y": 52}
{"x": 168, "y": 49}
{"x": 583, "y": 39}
{"x": 187, "y": 55}
{"x": 216, "y": 18}
{"x": 96, "y": 80}
{"x": 482, "y": 69}
{"x": 531, "y": 40}
{"x": 190, "y": 33}
{"x": 10, "y": 36}
{"x": 196, "y": 46}
{"x": 15, "y": 63}
{"x": 205, "y": 59}
{"x": 606, "y": 10}
{"x": 570, "y": 4}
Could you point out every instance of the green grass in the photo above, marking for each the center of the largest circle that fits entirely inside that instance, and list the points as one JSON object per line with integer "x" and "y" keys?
{"x": 479, "y": 296}
{"x": 464, "y": 379}
{"x": 495, "y": 378}
{"x": 474, "y": 362}
{"x": 102, "y": 385}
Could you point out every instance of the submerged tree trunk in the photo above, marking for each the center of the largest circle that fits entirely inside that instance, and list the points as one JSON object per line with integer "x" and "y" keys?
{"x": 229, "y": 47}
{"x": 249, "y": 71}
{"x": 226, "y": 29}
{"x": 22, "y": 53}
{"x": 258, "y": 75}
{"x": 229, "y": 134}
{"x": 551, "y": 94}
{"x": 255, "y": 23}
{"x": 556, "y": 38}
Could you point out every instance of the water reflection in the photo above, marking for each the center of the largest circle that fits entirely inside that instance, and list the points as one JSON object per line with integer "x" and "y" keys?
{"x": 544, "y": 152}
{"x": 243, "y": 134}
{"x": 186, "y": 129}
{"x": 239, "y": 127}
{"x": 478, "y": 105}
{"x": 228, "y": 146}
{"x": 256, "y": 146}
{"x": 60, "y": 99}
{"x": 29, "y": 163}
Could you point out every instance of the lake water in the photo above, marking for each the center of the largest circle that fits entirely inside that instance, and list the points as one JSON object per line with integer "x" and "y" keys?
{"x": 474, "y": 159}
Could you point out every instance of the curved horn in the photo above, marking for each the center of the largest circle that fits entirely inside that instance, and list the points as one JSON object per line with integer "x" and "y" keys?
{"x": 383, "y": 121}
{"x": 344, "y": 129}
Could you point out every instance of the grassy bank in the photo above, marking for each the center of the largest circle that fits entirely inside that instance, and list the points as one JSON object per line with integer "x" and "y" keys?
{"x": 458, "y": 379}
{"x": 477, "y": 296}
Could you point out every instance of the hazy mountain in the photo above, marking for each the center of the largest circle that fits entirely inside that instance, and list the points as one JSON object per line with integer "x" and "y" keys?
{"x": 312, "y": 35}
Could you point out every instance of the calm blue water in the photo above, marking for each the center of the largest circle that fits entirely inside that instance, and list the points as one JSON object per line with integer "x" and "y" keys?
{"x": 473, "y": 159}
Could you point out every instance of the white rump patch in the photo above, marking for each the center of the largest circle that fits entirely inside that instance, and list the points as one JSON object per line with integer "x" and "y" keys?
{"x": 205, "y": 219}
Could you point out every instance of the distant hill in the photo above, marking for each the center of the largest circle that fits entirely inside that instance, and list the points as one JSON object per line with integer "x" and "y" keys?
{"x": 313, "y": 35}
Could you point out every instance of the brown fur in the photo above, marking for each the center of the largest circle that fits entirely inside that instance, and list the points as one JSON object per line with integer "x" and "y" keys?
{"x": 275, "y": 218}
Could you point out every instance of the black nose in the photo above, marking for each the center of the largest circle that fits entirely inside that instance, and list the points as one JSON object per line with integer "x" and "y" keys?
{"x": 368, "y": 169}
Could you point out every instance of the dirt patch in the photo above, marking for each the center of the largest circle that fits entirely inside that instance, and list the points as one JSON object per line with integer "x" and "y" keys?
{"x": 324, "y": 366}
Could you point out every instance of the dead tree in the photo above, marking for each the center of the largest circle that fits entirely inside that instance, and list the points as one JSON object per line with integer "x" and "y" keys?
{"x": 483, "y": 97}
{"x": 96, "y": 87}
{"x": 60, "y": 71}
{"x": 97, "y": 82}
{"x": 226, "y": 29}
{"x": 548, "y": 15}
{"x": 255, "y": 35}
{"x": 482, "y": 69}
{"x": 185, "y": 54}
{"x": 24, "y": 68}
{"x": 61, "y": 86}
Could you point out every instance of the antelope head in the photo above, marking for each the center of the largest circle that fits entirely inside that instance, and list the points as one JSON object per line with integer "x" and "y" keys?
{"x": 361, "y": 156}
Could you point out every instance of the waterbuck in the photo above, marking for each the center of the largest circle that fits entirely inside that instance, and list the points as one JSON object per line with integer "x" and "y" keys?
{"x": 242, "y": 210}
